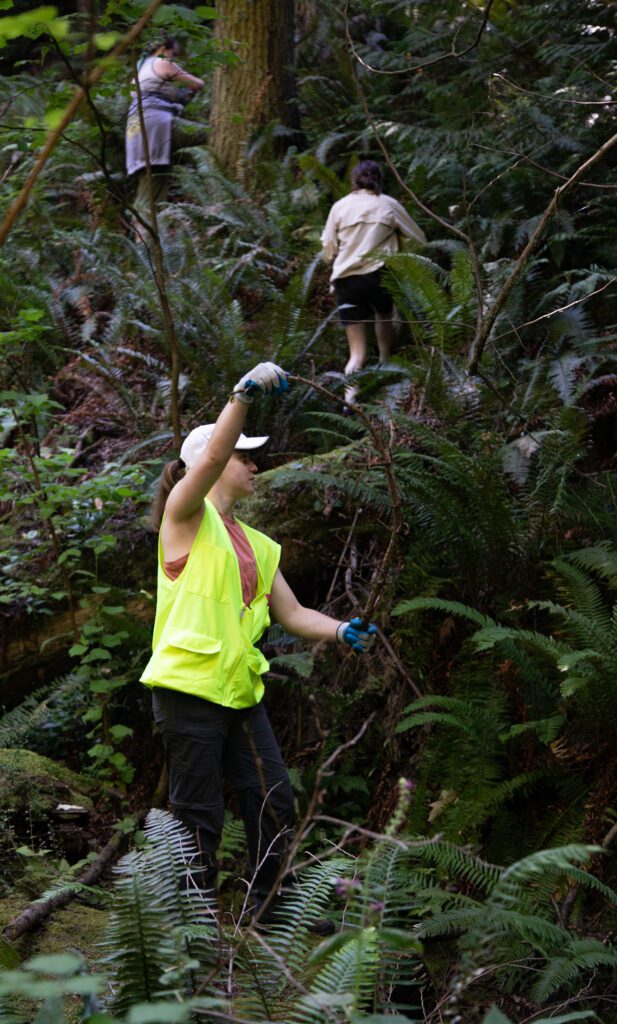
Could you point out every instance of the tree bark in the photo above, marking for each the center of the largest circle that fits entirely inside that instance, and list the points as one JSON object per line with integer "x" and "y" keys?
{"x": 260, "y": 87}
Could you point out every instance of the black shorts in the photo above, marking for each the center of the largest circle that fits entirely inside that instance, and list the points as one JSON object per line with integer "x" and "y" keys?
{"x": 365, "y": 294}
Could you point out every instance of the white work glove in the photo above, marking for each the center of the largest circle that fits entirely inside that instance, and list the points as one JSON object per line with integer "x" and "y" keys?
{"x": 267, "y": 378}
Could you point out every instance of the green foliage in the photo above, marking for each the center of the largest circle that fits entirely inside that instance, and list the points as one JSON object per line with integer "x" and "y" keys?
{"x": 162, "y": 931}
{"x": 507, "y": 546}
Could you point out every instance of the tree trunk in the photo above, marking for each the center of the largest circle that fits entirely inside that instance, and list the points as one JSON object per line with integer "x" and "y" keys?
{"x": 260, "y": 87}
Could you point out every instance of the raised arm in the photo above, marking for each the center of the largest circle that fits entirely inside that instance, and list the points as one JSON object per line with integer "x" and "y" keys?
{"x": 186, "y": 498}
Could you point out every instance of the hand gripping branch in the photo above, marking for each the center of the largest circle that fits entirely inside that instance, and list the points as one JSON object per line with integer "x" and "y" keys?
{"x": 384, "y": 450}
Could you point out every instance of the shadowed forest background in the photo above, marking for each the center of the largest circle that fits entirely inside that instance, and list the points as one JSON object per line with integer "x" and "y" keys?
{"x": 456, "y": 789}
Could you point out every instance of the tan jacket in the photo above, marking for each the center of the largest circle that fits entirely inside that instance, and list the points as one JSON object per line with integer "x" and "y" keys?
{"x": 363, "y": 223}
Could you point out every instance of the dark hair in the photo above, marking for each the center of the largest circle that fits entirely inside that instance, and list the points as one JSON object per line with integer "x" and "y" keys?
{"x": 367, "y": 174}
{"x": 172, "y": 473}
{"x": 165, "y": 41}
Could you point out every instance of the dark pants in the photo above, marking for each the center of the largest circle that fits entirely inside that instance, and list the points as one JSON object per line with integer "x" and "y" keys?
{"x": 206, "y": 743}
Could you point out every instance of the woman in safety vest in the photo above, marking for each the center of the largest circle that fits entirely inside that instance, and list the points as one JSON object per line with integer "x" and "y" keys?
{"x": 218, "y": 582}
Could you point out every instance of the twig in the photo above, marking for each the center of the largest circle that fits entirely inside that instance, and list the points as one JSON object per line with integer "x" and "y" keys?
{"x": 387, "y": 463}
{"x": 316, "y": 796}
{"x": 424, "y": 64}
{"x": 555, "y": 312}
{"x": 483, "y": 333}
{"x": 342, "y": 556}
{"x": 553, "y": 99}
{"x": 21, "y": 200}
{"x": 159, "y": 275}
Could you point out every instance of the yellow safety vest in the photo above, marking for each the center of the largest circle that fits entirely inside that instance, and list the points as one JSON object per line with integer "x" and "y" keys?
{"x": 204, "y": 635}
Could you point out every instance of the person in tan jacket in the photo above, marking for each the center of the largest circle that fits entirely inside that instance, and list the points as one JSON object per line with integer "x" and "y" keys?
{"x": 361, "y": 230}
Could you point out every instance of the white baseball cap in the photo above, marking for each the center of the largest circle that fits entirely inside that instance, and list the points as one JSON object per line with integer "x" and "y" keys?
{"x": 198, "y": 439}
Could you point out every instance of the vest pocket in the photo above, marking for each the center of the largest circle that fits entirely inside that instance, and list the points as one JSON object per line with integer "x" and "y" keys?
{"x": 190, "y": 641}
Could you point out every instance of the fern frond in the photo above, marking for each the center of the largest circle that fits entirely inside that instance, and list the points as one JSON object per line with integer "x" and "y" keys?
{"x": 137, "y": 937}
{"x": 438, "y": 604}
{"x": 346, "y": 981}
{"x": 583, "y": 955}
{"x": 17, "y": 723}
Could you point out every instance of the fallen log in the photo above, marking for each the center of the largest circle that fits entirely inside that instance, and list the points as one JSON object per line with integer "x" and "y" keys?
{"x": 35, "y": 913}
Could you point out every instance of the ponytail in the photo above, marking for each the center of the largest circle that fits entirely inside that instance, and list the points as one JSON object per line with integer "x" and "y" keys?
{"x": 367, "y": 174}
{"x": 172, "y": 473}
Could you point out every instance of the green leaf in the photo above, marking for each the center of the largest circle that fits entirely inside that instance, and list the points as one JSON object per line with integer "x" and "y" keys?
{"x": 100, "y": 751}
{"x": 206, "y": 12}
{"x": 545, "y": 728}
{"x": 53, "y": 117}
{"x": 158, "y": 1013}
{"x": 495, "y": 1016}
{"x": 120, "y": 732}
{"x": 97, "y": 654}
{"x": 400, "y": 939}
{"x": 331, "y": 945}
{"x": 301, "y": 663}
{"x": 118, "y": 759}
{"x": 105, "y": 685}
{"x": 9, "y": 957}
{"x": 55, "y": 963}
{"x": 106, "y": 40}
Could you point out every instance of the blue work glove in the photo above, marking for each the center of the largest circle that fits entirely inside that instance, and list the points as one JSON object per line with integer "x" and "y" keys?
{"x": 265, "y": 379}
{"x": 355, "y": 635}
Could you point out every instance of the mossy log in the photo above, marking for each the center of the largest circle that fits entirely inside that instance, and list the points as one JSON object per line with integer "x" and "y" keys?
{"x": 36, "y": 784}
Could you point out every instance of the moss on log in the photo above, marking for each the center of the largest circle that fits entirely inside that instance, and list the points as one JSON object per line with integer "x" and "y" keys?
{"x": 35, "y": 784}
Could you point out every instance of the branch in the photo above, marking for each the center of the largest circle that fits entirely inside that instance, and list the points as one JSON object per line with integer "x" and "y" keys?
{"x": 387, "y": 462}
{"x": 484, "y": 331}
{"x": 553, "y": 99}
{"x": 159, "y": 274}
{"x": 555, "y": 312}
{"x": 424, "y": 64}
{"x": 50, "y": 143}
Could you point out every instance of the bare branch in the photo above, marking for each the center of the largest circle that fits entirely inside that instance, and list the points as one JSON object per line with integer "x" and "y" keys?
{"x": 385, "y": 453}
{"x": 483, "y": 333}
{"x": 452, "y": 53}
{"x": 159, "y": 273}
{"x": 554, "y": 99}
